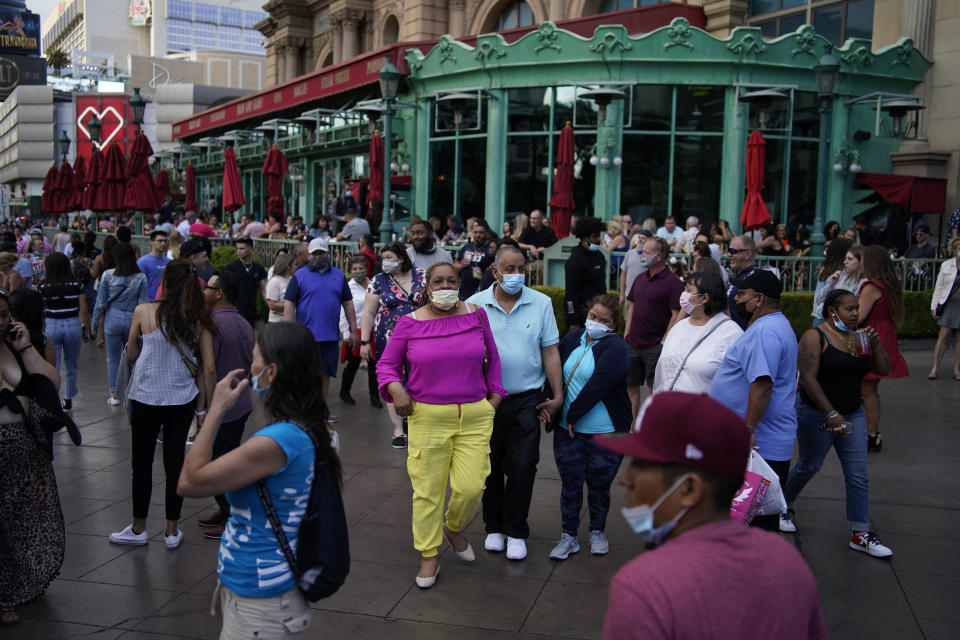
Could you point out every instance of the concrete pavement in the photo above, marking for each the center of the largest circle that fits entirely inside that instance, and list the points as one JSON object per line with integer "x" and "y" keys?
{"x": 106, "y": 591}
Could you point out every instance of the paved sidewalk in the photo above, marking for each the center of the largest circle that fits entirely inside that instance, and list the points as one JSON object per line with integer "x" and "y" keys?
{"x": 149, "y": 593}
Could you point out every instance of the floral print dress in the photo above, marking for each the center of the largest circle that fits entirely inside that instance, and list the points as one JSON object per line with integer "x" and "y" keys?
{"x": 395, "y": 302}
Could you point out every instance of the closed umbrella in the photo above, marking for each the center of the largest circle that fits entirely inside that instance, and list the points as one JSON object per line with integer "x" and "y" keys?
{"x": 49, "y": 188}
{"x": 63, "y": 194}
{"x": 91, "y": 180}
{"x": 755, "y": 214}
{"x": 140, "y": 193}
{"x": 162, "y": 183}
{"x": 562, "y": 203}
{"x": 376, "y": 169}
{"x": 79, "y": 181}
{"x": 113, "y": 180}
{"x": 232, "y": 191}
{"x": 274, "y": 167}
{"x": 190, "y": 189}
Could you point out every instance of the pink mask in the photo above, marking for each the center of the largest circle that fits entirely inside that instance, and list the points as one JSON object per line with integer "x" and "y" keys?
{"x": 685, "y": 303}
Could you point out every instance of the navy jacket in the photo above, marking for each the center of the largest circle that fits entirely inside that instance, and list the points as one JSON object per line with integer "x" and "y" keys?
{"x": 608, "y": 384}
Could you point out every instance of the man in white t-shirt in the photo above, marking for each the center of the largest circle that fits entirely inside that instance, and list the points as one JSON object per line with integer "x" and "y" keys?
{"x": 670, "y": 232}
{"x": 688, "y": 237}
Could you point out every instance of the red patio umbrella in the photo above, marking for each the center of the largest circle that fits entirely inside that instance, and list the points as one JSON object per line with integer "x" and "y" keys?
{"x": 232, "y": 191}
{"x": 79, "y": 181}
{"x": 562, "y": 203}
{"x": 92, "y": 180}
{"x": 190, "y": 189}
{"x": 49, "y": 188}
{"x": 63, "y": 194}
{"x": 377, "y": 165}
{"x": 755, "y": 214}
{"x": 140, "y": 193}
{"x": 113, "y": 180}
{"x": 274, "y": 167}
{"x": 162, "y": 183}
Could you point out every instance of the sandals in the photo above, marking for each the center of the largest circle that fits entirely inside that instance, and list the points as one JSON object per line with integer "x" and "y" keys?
{"x": 9, "y": 616}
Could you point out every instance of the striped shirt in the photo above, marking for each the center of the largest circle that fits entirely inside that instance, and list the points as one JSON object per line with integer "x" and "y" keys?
{"x": 61, "y": 300}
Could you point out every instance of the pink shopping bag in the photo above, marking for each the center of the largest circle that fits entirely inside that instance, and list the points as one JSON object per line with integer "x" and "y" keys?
{"x": 749, "y": 498}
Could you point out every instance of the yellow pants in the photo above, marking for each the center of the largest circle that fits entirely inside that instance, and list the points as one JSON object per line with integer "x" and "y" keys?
{"x": 446, "y": 440}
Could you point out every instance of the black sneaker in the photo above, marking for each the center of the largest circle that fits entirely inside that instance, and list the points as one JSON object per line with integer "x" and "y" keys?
{"x": 68, "y": 404}
{"x": 399, "y": 442}
{"x": 345, "y": 397}
{"x": 874, "y": 443}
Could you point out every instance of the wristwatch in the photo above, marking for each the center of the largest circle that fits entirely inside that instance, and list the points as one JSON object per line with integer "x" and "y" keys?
{"x": 364, "y": 342}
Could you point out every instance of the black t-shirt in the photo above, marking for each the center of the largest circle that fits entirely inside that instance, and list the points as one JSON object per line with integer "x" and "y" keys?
{"x": 475, "y": 257}
{"x": 545, "y": 237}
{"x": 250, "y": 277}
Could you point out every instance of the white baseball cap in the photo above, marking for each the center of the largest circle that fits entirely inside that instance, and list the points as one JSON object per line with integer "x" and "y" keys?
{"x": 318, "y": 244}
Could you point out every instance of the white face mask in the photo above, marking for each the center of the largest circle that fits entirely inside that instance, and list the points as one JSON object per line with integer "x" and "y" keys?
{"x": 389, "y": 266}
{"x": 444, "y": 299}
{"x": 596, "y": 330}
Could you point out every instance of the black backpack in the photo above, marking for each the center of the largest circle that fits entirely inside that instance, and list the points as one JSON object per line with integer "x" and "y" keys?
{"x": 323, "y": 549}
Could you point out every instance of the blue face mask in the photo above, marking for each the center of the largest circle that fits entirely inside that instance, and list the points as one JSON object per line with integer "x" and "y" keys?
{"x": 255, "y": 385}
{"x": 513, "y": 282}
{"x": 640, "y": 518}
{"x": 593, "y": 247}
{"x": 838, "y": 323}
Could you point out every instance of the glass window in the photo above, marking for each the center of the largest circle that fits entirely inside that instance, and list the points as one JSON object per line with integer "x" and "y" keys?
{"x": 860, "y": 19}
{"x": 609, "y": 6}
{"x": 645, "y": 177}
{"x": 473, "y": 165}
{"x": 528, "y": 163}
{"x": 472, "y": 120}
{"x": 700, "y": 108}
{"x": 786, "y": 4}
{"x": 827, "y": 22}
{"x": 516, "y": 14}
{"x": 768, "y": 29}
{"x": 529, "y": 109}
{"x": 773, "y": 176}
{"x": 758, "y": 7}
{"x": 179, "y": 9}
{"x": 696, "y": 176}
{"x": 806, "y": 114}
{"x": 803, "y": 182}
{"x": 789, "y": 24}
{"x": 651, "y": 107}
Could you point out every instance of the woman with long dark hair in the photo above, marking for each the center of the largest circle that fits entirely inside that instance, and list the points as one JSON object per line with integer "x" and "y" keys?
{"x": 26, "y": 305}
{"x": 103, "y": 261}
{"x": 881, "y": 307}
{"x": 169, "y": 385}
{"x": 122, "y": 288}
{"x": 257, "y": 589}
{"x": 66, "y": 314}
{"x": 832, "y": 266}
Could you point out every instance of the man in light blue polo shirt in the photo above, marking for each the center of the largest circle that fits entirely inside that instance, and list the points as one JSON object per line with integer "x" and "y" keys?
{"x": 526, "y": 334}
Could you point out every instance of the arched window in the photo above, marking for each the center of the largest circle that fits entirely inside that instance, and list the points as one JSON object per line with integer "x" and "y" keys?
{"x": 608, "y": 6}
{"x": 516, "y": 14}
{"x": 391, "y": 30}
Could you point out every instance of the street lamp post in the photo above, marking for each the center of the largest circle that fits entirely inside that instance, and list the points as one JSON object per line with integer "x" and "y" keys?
{"x": 137, "y": 105}
{"x": 64, "y": 146}
{"x": 94, "y": 127}
{"x": 826, "y": 70}
{"x": 389, "y": 86}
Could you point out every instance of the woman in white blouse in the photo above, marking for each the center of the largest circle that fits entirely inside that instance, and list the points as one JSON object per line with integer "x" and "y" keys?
{"x": 695, "y": 346}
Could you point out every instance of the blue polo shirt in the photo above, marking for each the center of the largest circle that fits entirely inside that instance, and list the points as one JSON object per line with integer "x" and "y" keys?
{"x": 318, "y": 296}
{"x": 520, "y": 335}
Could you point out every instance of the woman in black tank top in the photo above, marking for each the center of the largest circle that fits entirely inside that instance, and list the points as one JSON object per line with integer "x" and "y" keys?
{"x": 829, "y": 402}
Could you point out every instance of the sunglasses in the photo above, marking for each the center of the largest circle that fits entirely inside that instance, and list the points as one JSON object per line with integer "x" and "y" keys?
{"x": 213, "y": 288}
{"x": 734, "y": 252}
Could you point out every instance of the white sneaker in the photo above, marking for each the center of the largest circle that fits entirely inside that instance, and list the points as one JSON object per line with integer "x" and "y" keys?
{"x": 332, "y": 418}
{"x": 495, "y": 542}
{"x": 113, "y": 400}
{"x": 599, "y": 545}
{"x": 127, "y": 536}
{"x": 173, "y": 541}
{"x": 567, "y": 545}
{"x": 868, "y": 542}
{"x": 787, "y": 525}
{"x": 516, "y": 549}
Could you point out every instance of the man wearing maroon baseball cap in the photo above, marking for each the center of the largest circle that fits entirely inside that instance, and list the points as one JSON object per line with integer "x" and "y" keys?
{"x": 710, "y": 576}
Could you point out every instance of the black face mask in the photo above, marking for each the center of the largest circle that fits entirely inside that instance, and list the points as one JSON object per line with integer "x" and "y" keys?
{"x": 319, "y": 264}
{"x": 741, "y": 308}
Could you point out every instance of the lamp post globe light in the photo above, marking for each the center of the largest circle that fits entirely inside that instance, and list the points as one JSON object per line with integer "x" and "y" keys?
{"x": 94, "y": 127}
{"x": 64, "y": 142}
{"x": 389, "y": 86}
{"x": 137, "y": 106}
{"x": 826, "y": 70}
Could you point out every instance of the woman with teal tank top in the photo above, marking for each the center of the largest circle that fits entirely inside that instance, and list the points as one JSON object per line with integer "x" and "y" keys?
{"x": 256, "y": 588}
{"x": 596, "y": 362}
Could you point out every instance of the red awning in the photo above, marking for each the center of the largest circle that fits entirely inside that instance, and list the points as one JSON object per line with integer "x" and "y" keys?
{"x": 913, "y": 193}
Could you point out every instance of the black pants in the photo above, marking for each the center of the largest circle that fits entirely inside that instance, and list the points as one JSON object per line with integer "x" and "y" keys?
{"x": 514, "y": 454}
{"x": 772, "y": 523}
{"x": 145, "y": 423}
{"x": 228, "y": 438}
{"x": 350, "y": 372}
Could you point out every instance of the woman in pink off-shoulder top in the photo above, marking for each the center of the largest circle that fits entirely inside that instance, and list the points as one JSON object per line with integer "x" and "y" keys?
{"x": 452, "y": 391}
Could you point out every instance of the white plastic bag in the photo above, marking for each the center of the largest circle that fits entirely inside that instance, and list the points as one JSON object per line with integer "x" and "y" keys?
{"x": 773, "y": 501}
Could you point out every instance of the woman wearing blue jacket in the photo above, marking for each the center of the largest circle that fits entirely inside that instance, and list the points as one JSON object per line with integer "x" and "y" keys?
{"x": 595, "y": 367}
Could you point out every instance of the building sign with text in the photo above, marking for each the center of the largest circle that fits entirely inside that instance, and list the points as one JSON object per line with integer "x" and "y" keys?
{"x": 18, "y": 70}
{"x": 19, "y": 33}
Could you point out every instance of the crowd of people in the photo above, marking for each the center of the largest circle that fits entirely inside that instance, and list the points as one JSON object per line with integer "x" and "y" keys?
{"x": 683, "y": 372}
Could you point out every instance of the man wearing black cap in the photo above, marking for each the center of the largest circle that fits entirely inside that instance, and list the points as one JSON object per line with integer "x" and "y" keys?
{"x": 474, "y": 259}
{"x": 197, "y": 250}
{"x": 710, "y": 577}
{"x": 758, "y": 375}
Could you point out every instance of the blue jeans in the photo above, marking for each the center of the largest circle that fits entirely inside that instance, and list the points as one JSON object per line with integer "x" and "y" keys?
{"x": 852, "y": 451}
{"x": 66, "y": 338}
{"x": 116, "y": 330}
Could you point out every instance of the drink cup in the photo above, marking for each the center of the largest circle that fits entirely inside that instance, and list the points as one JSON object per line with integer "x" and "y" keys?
{"x": 861, "y": 342}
